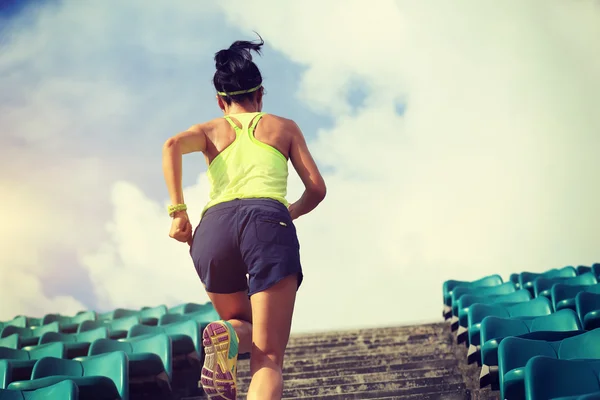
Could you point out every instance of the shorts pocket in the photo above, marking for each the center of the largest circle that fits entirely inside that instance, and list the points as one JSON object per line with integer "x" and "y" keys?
{"x": 276, "y": 230}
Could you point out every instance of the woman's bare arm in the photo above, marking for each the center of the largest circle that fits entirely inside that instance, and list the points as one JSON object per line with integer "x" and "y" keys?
{"x": 304, "y": 164}
{"x": 174, "y": 148}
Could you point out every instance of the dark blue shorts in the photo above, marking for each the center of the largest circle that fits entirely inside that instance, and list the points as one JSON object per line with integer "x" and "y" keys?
{"x": 246, "y": 245}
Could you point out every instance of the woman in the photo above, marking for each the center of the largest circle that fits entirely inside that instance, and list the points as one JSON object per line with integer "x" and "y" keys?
{"x": 245, "y": 248}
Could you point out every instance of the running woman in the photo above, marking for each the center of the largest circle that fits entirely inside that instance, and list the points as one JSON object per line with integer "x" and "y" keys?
{"x": 245, "y": 248}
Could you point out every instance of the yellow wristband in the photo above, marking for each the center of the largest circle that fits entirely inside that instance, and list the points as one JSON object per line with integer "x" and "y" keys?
{"x": 178, "y": 207}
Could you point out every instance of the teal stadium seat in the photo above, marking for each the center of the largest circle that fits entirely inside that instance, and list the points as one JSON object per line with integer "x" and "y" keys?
{"x": 543, "y": 286}
{"x": 117, "y": 328}
{"x": 526, "y": 278}
{"x": 514, "y": 354}
{"x": 494, "y": 330}
{"x": 101, "y": 377}
{"x": 461, "y": 291}
{"x": 29, "y": 336}
{"x": 77, "y": 344}
{"x": 189, "y": 308}
{"x": 514, "y": 278}
{"x": 17, "y": 365}
{"x": 12, "y": 341}
{"x": 588, "y": 309}
{"x": 467, "y": 300}
{"x": 477, "y": 312}
{"x": 551, "y": 378}
{"x": 563, "y": 296}
{"x": 69, "y": 324}
{"x": 449, "y": 285}
{"x": 147, "y": 315}
{"x": 583, "y": 269}
{"x": 65, "y": 390}
{"x": 150, "y": 361}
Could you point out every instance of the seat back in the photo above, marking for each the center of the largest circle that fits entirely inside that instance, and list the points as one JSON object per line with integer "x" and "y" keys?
{"x": 562, "y": 291}
{"x": 459, "y": 292}
{"x": 188, "y": 308}
{"x": 12, "y": 341}
{"x": 49, "y": 318}
{"x": 449, "y": 285}
{"x": 51, "y": 366}
{"x": 93, "y": 335}
{"x": 563, "y": 320}
{"x": 540, "y": 284}
{"x": 532, "y": 308}
{"x": 584, "y": 279}
{"x": 159, "y": 344}
{"x": 495, "y": 328}
{"x": 549, "y": 378}
{"x": 64, "y": 390}
{"x": 102, "y": 346}
{"x": 583, "y": 269}
{"x": 153, "y": 312}
{"x": 124, "y": 324}
{"x": 57, "y": 350}
{"x": 19, "y": 321}
{"x": 586, "y": 346}
{"x": 477, "y": 312}
{"x": 139, "y": 330}
{"x": 514, "y": 352}
{"x": 189, "y": 328}
{"x": 123, "y": 312}
{"x": 565, "y": 272}
{"x": 84, "y": 316}
{"x": 13, "y": 354}
{"x": 89, "y": 325}
{"x": 596, "y": 270}
{"x": 14, "y": 330}
{"x": 113, "y": 365}
{"x": 49, "y": 327}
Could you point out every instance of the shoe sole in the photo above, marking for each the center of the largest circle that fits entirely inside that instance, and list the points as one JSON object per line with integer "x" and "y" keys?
{"x": 216, "y": 379}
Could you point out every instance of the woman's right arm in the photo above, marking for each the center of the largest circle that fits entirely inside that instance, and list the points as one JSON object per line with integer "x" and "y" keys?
{"x": 305, "y": 166}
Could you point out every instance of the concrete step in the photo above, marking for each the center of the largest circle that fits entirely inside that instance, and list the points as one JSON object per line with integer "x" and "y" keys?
{"x": 459, "y": 394}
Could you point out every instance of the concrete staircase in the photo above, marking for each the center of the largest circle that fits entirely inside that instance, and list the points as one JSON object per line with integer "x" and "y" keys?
{"x": 411, "y": 362}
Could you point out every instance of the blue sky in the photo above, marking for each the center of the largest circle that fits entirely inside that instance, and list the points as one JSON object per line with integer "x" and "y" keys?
{"x": 455, "y": 141}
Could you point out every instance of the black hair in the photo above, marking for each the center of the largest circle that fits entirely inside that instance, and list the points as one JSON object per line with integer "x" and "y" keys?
{"x": 236, "y": 70}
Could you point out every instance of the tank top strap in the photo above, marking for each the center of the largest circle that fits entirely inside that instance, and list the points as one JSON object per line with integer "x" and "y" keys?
{"x": 257, "y": 118}
{"x": 233, "y": 124}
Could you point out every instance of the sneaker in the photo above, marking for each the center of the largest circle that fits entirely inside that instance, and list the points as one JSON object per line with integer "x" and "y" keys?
{"x": 220, "y": 361}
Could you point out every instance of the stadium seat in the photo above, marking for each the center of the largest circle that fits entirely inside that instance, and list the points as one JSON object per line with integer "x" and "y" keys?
{"x": 29, "y": 336}
{"x": 18, "y": 364}
{"x": 596, "y": 270}
{"x": 494, "y": 330}
{"x": 542, "y": 286}
{"x": 65, "y": 390}
{"x": 12, "y": 341}
{"x": 551, "y": 378}
{"x": 514, "y": 278}
{"x": 202, "y": 317}
{"x": 563, "y": 295}
{"x": 19, "y": 322}
{"x": 514, "y": 354}
{"x": 185, "y": 336}
{"x": 449, "y": 285}
{"x": 117, "y": 328}
{"x": 583, "y": 269}
{"x": 477, "y": 312}
{"x": 588, "y": 309}
{"x": 104, "y": 376}
{"x": 150, "y": 360}
{"x": 77, "y": 344}
{"x": 467, "y": 300}
{"x": 459, "y": 292}
{"x": 526, "y": 278}
{"x": 189, "y": 308}
{"x": 147, "y": 315}
{"x": 69, "y": 324}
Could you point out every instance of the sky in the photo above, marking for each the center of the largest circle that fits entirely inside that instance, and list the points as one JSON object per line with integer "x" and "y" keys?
{"x": 457, "y": 140}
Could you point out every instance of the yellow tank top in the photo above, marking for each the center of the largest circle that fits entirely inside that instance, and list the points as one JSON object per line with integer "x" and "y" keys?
{"x": 247, "y": 168}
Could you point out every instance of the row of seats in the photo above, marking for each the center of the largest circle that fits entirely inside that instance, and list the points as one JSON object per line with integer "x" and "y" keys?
{"x": 523, "y": 331}
{"x": 121, "y": 355}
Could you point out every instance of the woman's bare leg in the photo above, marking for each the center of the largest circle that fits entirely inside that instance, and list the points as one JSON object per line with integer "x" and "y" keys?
{"x": 272, "y": 312}
{"x": 235, "y": 308}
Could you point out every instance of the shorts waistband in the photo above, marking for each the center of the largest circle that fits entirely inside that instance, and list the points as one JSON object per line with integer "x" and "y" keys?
{"x": 246, "y": 202}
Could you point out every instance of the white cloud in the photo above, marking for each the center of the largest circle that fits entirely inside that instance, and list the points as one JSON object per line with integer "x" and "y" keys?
{"x": 492, "y": 168}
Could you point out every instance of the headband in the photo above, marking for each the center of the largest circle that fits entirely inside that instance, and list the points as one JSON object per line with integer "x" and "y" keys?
{"x": 254, "y": 89}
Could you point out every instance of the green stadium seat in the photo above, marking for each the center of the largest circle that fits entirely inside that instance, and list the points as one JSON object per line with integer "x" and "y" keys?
{"x": 69, "y": 324}
{"x": 588, "y": 309}
{"x": 202, "y": 317}
{"x": 17, "y": 364}
{"x": 147, "y": 315}
{"x": 189, "y": 308}
{"x": 117, "y": 328}
{"x": 11, "y": 341}
{"x": 150, "y": 361}
{"x": 19, "y": 322}
{"x": 526, "y": 278}
{"x": 514, "y": 354}
{"x": 77, "y": 344}
{"x": 477, "y": 312}
{"x": 494, "y": 330}
{"x": 65, "y": 390}
{"x": 551, "y": 378}
{"x": 459, "y": 292}
{"x": 100, "y": 377}
{"x": 467, "y": 300}
{"x": 596, "y": 270}
{"x": 29, "y": 336}
{"x": 563, "y": 295}
{"x": 543, "y": 286}
{"x": 186, "y": 336}
{"x": 514, "y": 278}
{"x": 449, "y": 285}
